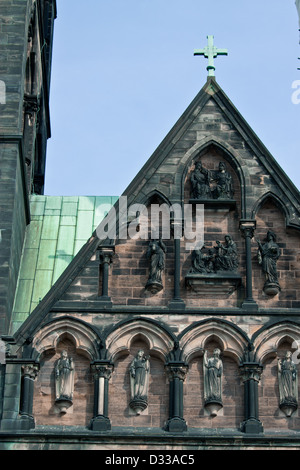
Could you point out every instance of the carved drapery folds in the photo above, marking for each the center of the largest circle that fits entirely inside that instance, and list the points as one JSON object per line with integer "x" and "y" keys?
{"x": 212, "y": 374}
{"x": 139, "y": 382}
{"x": 288, "y": 384}
{"x": 156, "y": 255}
{"x": 64, "y": 382}
{"x": 268, "y": 254}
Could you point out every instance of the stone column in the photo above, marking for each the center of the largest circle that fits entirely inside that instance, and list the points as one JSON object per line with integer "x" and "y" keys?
{"x": 247, "y": 227}
{"x": 106, "y": 257}
{"x": 176, "y": 230}
{"x": 102, "y": 372}
{"x": 251, "y": 374}
{"x": 30, "y": 372}
{"x": 31, "y": 106}
{"x": 177, "y": 373}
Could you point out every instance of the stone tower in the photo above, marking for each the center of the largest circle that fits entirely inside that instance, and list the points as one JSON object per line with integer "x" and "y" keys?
{"x": 26, "y": 35}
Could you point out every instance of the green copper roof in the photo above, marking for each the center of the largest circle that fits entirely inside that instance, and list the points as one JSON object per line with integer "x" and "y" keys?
{"x": 59, "y": 228}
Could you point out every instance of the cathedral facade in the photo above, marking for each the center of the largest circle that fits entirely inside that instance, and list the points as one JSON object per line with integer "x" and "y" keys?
{"x": 166, "y": 318}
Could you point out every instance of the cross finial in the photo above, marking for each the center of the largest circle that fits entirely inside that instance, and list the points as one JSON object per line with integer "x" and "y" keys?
{"x": 210, "y": 52}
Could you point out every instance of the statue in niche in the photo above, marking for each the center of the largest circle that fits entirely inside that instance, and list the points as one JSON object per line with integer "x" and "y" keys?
{"x": 224, "y": 185}
{"x": 268, "y": 255}
{"x": 288, "y": 384}
{"x": 200, "y": 180}
{"x": 226, "y": 258}
{"x": 213, "y": 371}
{"x": 139, "y": 381}
{"x": 156, "y": 254}
{"x": 64, "y": 382}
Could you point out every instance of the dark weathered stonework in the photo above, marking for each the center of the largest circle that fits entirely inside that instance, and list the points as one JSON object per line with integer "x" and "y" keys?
{"x": 111, "y": 302}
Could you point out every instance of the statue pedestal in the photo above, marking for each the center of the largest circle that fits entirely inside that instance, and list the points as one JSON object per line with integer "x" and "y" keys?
{"x": 63, "y": 404}
{"x": 224, "y": 283}
{"x": 154, "y": 286}
{"x": 288, "y": 407}
{"x": 271, "y": 288}
{"x": 213, "y": 407}
{"x": 138, "y": 405}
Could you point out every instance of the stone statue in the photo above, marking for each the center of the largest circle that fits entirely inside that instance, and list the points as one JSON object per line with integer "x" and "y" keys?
{"x": 226, "y": 255}
{"x": 202, "y": 262}
{"x": 268, "y": 255}
{"x": 213, "y": 371}
{"x": 224, "y": 185}
{"x": 64, "y": 381}
{"x": 139, "y": 381}
{"x": 156, "y": 254}
{"x": 288, "y": 384}
{"x": 200, "y": 180}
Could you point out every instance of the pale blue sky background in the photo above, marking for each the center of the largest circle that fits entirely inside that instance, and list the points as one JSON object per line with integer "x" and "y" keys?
{"x": 124, "y": 72}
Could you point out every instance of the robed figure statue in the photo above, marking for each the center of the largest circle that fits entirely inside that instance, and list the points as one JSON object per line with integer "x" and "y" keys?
{"x": 156, "y": 255}
{"x": 200, "y": 180}
{"x": 288, "y": 384}
{"x": 139, "y": 382}
{"x": 213, "y": 371}
{"x": 64, "y": 381}
{"x": 268, "y": 254}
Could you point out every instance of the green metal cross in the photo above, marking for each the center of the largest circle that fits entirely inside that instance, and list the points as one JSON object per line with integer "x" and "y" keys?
{"x": 210, "y": 52}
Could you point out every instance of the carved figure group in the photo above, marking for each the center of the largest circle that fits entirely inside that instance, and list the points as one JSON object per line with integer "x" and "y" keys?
{"x": 206, "y": 184}
{"x": 222, "y": 257}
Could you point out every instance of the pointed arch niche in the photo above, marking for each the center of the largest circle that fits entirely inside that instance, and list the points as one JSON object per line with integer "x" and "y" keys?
{"x": 206, "y": 336}
{"x": 123, "y": 345}
{"x": 271, "y": 213}
{"x": 271, "y": 345}
{"x": 80, "y": 342}
{"x": 221, "y": 218}
{"x": 130, "y": 267}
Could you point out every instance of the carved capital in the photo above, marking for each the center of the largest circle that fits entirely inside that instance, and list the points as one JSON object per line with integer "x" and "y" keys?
{"x": 102, "y": 370}
{"x": 177, "y": 371}
{"x": 30, "y": 370}
{"x": 31, "y": 104}
{"x": 247, "y": 227}
{"x": 106, "y": 255}
{"x": 251, "y": 371}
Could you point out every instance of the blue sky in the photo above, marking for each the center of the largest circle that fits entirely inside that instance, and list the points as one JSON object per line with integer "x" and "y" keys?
{"x": 124, "y": 71}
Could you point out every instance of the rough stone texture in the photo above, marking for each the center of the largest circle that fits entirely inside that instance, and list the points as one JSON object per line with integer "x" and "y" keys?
{"x": 22, "y": 166}
{"x": 94, "y": 330}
